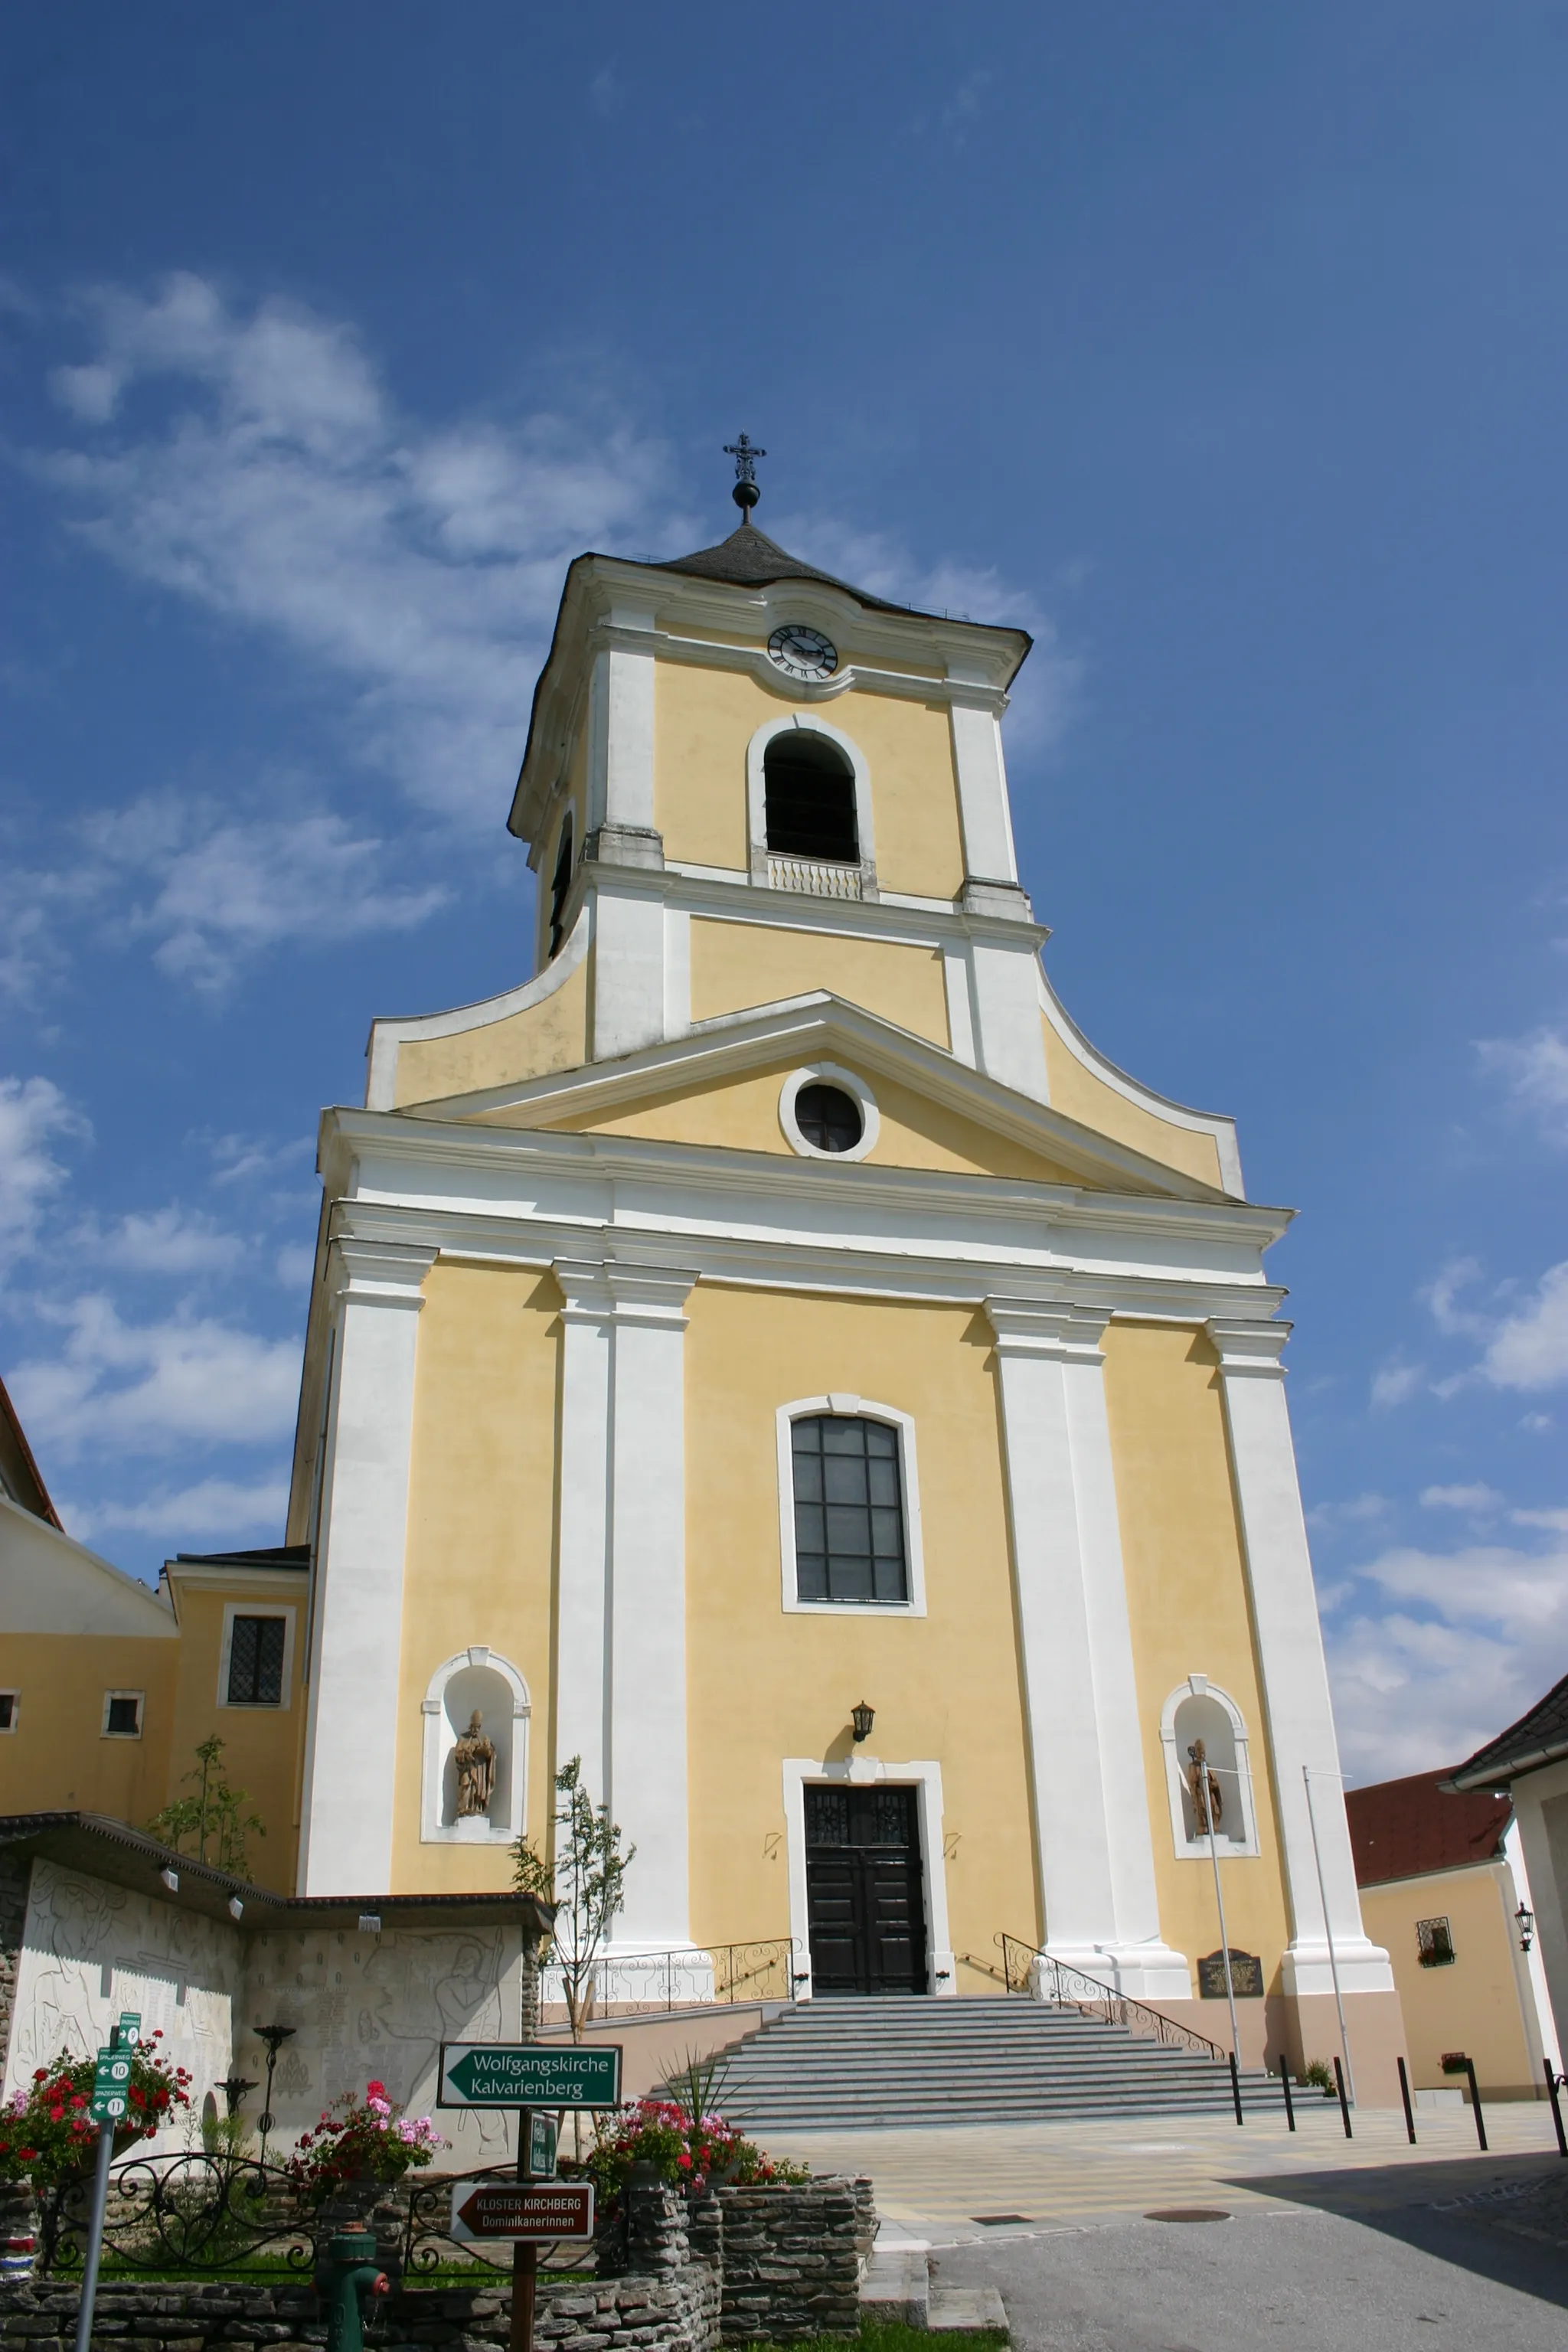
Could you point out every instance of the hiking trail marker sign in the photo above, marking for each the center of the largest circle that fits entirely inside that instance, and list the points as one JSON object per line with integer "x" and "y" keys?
{"x": 530, "y": 2074}
{"x": 533, "y": 2212}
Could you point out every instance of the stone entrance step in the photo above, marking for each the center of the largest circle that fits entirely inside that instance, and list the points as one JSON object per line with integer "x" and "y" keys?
{"x": 897, "y": 2285}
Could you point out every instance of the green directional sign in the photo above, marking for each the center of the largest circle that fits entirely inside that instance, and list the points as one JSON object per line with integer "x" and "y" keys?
{"x": 110, "y": 2086}
{"x": 530, "y": 2074}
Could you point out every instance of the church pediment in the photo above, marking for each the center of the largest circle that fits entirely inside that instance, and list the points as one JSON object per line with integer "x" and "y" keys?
{"x": 723, "y": 1085}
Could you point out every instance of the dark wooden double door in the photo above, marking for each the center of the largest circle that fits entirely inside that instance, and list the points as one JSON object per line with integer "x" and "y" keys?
{"x": 865, "y": 1892}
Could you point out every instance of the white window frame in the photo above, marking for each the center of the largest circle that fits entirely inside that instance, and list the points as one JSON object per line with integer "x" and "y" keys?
{"x": 140, "y": 1698}
{"x": 807, "y": 723}
{"x": 828, "y": 1074}
{"x": 15, "y": 1696}
{"x": 1197, "y": 1849}
{"x": 232, "y": 1609}
{"x": 858, "y": 1771}
{"x": 437, "y": 1745}
{"x": 865, "y": 1407}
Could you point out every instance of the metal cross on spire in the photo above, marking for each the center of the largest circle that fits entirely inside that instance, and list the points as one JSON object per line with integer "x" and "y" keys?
{"x": 745, "y": 492}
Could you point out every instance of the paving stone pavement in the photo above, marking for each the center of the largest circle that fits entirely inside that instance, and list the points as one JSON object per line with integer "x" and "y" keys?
{"x": 1327, "y": 2246}
{"x": 932, "y": 2184}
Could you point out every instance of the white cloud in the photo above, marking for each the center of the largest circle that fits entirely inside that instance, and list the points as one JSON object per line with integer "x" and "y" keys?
{"x": 212, "y": 1510}
{"x": 1442, "y": 1295}
{"x": 1557, "y": 1521}
{"x": 34, "y": 1113}
{"x": 1530, "y": 1350}
{"x": 296, "y": 1263}
{"x": 186, "y": 1381}
{"x": 1476, "y": 1498}
{"x": 1535, "y": 1069}
{"x": 284, "y": 491}
{"x": 1395, "y": 1382}
{"x": 171, "y": 1241}
{"x": 1471, "y": 1639}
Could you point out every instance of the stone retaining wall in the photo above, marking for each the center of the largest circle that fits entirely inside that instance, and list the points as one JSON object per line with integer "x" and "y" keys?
{"x": 776, "y": 2264}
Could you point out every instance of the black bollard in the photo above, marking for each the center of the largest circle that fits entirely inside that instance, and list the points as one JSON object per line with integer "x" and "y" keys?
{"x": 1344, "y": 2102}
{"x": 1405, "y": 2095}
{"x": 1285, "y": 2086}
{"x": 1556, "y": 2108}
{"x": 1476, "y": 2102}
{"x": 1236, "y": 2089}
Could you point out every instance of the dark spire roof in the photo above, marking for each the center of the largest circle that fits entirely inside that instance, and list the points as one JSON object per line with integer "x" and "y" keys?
{"x": 1541, "y": 1737}
{"x": 750, "y": 559}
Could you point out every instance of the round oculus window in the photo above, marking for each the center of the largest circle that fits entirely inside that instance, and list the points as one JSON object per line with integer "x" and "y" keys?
{"x": 829, "y": 1118}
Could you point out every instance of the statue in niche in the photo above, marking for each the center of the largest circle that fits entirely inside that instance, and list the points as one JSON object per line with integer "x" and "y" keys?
{"x": 475, "y": 1758}
{"x": 1199, "y": 1774}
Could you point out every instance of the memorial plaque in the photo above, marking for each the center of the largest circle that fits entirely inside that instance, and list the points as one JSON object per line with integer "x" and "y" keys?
{"x": 1245, "y": 1976}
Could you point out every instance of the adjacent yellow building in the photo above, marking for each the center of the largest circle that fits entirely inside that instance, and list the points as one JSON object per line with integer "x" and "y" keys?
{"x": 774, "y": 1308}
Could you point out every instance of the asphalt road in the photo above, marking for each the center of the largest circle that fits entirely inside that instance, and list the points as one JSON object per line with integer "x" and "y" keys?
{"x": 1407, "y": 2279}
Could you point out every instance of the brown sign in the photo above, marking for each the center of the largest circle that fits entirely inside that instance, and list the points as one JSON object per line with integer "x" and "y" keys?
{"x": 536, "y": 2213}
{"x": 1245, "y": 1976}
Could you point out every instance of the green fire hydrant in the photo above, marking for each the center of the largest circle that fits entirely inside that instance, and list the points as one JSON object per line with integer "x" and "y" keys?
{"x": 347, "y": 2274}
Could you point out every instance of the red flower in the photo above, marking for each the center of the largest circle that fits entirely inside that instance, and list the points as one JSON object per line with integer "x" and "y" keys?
{"x": 26, "y": 2154}
{"x": 80, "y": 2099}
{"x": 684, "y": 2162}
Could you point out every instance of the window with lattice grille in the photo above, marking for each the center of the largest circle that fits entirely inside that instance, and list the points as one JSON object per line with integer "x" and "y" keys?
{"x": 256, "y": 1662}
{"x": 1434, "y": 1943}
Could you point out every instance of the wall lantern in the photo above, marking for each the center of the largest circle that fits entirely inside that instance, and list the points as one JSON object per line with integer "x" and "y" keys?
{"x": 1524, "y": 1919}
{"x": 862, "y": 1718}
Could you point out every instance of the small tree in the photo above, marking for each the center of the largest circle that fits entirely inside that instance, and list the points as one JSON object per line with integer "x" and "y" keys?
{"x": 212, "y": 1819}
{"x": 586, "y": 1882}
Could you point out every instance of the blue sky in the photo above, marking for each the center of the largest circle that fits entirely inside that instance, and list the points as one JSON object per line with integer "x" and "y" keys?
{"x": 1226, "y": 348}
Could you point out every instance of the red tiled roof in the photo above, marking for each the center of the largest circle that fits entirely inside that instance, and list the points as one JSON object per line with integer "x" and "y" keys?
{"x": 1401, "y": 1829}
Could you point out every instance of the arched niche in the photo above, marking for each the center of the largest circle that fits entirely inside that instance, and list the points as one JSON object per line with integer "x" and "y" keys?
{"x": 476, "y": 1679}
{"x": 1199, "y": 1709}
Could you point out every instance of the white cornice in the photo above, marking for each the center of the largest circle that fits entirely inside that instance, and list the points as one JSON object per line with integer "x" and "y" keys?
{"x": 1042, "y": 1282}
{"x": 736, "y": 898}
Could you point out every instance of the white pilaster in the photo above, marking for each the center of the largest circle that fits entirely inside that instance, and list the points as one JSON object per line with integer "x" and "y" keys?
{"x": 582, "y": 1657}
{"x": 628, "y": 982}
{"x": 1091, "y": 1804}
{"x": 350, "y": 1752}
{"x": 621, "y": 1663}
{"x": 982, "y": 789}
{"x": 1009, "y": 1036}
{"x": 648, "y": 1582}
{"x": 1292, "y": 1666}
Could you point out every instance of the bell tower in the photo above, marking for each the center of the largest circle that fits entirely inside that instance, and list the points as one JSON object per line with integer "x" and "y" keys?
{"x": 747, "y": 780}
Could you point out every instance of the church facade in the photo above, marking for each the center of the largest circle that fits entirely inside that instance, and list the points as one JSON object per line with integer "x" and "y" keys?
{"x": 771, "y": 1356}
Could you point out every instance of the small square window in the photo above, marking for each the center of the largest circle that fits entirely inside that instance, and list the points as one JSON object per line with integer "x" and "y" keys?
{"x": 122, "y": 1714}
{"x": 10, "y": 1707}
{"x": 256, "y": 1661}
{"x": 1434, "y": 1943}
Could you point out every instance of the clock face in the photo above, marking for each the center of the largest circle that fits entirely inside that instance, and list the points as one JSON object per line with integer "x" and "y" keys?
{"x": 801, "y": 652}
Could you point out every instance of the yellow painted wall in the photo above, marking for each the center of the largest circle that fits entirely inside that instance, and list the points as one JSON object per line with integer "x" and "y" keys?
{"x": 260, "y": 1743}
{"x": 58, "y": 1757}
{"x": 1472, "y": 2006}
{"x": 551, "y": 1035}
{"x": 1186, "y": 1596}
{"x": 763, "y": 1685}
{"x": 743, "y": 1115}
{"x": 1081, "y": 1096}
{"x": 704, "y": 719}
{"x": 734, "y": 965}
{"x": 481, "y": 1513}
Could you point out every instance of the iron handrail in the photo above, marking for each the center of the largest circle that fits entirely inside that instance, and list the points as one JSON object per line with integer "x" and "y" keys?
{"x": 739, "y": 1971}
{"x": 1136, "y": 2015}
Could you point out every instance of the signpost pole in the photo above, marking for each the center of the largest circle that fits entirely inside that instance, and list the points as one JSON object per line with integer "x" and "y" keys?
{"x": 110, "y": 2101}
{"x": 94, "y": 2238}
